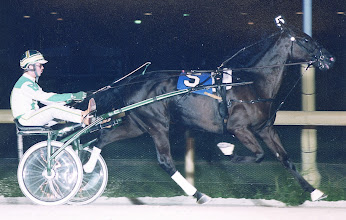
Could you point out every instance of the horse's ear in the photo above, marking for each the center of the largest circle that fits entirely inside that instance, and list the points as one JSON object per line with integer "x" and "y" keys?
{"x": 280, "y": 21}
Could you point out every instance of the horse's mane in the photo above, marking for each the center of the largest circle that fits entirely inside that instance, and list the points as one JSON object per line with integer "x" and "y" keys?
{"x": 251, "y": 53}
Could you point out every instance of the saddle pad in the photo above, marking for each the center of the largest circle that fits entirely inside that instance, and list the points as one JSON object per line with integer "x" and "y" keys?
{"x": 191, "y": 80}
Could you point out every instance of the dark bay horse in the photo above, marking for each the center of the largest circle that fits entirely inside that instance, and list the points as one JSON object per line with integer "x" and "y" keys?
{"x": 248, "y": 107}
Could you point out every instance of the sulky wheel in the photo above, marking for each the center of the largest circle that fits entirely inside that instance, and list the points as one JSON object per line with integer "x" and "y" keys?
{"x": 94, "y": 183}
{"x": 63, "y": 182}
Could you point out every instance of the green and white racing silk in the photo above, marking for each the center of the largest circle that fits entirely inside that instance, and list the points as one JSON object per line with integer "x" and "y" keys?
{"x": 27, "y": 93}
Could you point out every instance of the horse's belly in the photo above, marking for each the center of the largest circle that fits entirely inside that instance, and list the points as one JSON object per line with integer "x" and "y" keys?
{"x": 201, "y": 112}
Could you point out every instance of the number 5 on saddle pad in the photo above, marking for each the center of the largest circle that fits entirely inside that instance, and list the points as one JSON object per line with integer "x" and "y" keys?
{"x": 190, "y": 80}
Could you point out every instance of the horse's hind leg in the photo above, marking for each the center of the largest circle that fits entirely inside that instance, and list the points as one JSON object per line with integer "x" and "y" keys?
{"x": 272, "y": 140}
{"x": 164, "y": 157}
{"x": 246, "y": 137}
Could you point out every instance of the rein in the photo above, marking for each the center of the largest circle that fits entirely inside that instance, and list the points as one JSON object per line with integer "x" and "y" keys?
{"x": 268, "y": 100}
{"x": 276, "y": 65}
{"x": 283, "y": 101}
{"x": 146, "y": 65}
{"x": 110, "y": 86}
{"x": 208, "y": 71}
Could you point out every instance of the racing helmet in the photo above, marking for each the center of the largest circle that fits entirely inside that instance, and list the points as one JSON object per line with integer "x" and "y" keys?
{"x": 31, "y": 57}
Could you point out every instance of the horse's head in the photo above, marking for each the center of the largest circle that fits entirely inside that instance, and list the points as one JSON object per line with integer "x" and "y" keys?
{"x": 305, "y": 48}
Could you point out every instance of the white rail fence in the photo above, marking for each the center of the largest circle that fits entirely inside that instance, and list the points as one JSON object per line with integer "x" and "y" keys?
{"x": 313, "y": 118}
{"x": 307, "y": 119}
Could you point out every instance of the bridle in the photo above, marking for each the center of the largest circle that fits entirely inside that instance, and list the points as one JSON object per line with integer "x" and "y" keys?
{"x": 316, "y": 53}
{"x": 317, "y": 57}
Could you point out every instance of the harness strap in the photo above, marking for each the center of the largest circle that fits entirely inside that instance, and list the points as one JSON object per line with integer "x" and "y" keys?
{"x": 249, "y": 101}
{"x": 221, "y": 91}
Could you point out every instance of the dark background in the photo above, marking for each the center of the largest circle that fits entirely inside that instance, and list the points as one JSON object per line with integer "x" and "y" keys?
{"x": 90, "y": 43}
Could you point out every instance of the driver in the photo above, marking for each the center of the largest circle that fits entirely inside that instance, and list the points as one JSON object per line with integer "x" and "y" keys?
{"x": 27, "y": 93}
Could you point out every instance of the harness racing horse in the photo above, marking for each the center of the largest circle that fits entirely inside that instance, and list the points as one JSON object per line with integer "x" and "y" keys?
{"x": 248, "y": 109}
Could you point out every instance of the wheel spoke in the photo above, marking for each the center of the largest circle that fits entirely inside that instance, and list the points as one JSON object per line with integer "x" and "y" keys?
{"x": 60, "y": 185}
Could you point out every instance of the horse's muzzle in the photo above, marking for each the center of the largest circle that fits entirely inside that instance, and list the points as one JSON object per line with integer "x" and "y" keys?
{"x": 325, "y": 61}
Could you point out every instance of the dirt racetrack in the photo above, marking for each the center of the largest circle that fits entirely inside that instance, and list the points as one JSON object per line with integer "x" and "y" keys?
{"x": 178, "y": 208}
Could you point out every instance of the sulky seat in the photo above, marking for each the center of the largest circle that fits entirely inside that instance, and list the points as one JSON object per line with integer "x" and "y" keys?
{"x": 31, "y": 129}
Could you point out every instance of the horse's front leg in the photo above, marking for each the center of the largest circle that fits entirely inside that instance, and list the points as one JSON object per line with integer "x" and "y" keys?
{"x": 164, "y": 157}
{"x": 272, "y": 140}
{"x": 248, "y": 139}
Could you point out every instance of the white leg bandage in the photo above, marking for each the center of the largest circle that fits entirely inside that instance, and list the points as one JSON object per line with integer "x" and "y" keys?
{"x": 184, "y": 184}
{"x": 226, "y": 148}
{"x": 317, "y": 195}
{"x": 90, "y": 165}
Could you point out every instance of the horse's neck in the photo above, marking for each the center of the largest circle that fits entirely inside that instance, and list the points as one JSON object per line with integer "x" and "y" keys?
{"x": 270, "y": 78}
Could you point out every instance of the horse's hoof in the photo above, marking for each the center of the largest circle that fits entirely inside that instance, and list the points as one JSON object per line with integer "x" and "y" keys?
{"x": 317, "y": 195}
{"x": 202, "y": 198}
{"x": 259, "y": 158}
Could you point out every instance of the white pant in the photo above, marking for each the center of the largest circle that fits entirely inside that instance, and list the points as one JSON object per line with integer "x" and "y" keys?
{"x": 46, "y": 114}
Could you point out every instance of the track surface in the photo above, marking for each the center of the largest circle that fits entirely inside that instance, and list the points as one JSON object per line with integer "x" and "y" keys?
{"x": 177, "y": 208}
